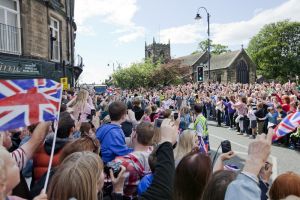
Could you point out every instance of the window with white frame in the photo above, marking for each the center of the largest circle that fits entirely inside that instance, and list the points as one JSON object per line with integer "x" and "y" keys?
{"x": 54, "y": 40}
{"x": 10, "y": 31}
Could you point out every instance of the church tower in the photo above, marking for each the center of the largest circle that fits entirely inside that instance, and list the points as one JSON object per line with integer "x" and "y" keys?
{"x": 158, "y": 51}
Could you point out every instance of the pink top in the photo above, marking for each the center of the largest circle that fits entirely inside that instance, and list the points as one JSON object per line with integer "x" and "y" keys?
{"x": 241, "y": 108}
{"x": 83, "y": 112}
{"x": 147, "y": 119}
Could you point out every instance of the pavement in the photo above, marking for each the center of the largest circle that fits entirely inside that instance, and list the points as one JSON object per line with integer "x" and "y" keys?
{"x": 283, "y": 159}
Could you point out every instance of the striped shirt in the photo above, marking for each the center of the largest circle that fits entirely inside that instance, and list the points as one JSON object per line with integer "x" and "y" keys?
{"x": 253, "y": 105}
{"x": 20, "y": 157}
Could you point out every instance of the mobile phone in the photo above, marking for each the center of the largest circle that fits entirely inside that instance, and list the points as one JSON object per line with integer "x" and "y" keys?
{"x": 226, "y": 146}
{"x": 175, "y": 115}
{"x": 157, "y": 122}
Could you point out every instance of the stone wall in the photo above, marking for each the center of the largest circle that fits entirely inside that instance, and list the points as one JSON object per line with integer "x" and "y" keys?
{"x": 219, "y": 74}
{"x": 231, "y": 75}
{"x": 252, "y": 69}
{"x": 35, "y": 20}
{"x": 35, "y": 30}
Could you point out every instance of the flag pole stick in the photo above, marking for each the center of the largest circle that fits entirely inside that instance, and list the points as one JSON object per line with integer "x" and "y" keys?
{"x": 53, "y": 145}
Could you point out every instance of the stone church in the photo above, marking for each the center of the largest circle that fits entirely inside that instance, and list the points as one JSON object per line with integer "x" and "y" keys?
{"x": 158, "y": 51}
{"x": 234, "y": 66}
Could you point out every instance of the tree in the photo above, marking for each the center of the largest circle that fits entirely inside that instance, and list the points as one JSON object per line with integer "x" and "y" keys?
{"x": 215, "y": 49}
{"x": 219, "y": 49}
{"x": 137, "y": 75}
{"x": 148, "y": 74}
{"x": 276, "y": 50}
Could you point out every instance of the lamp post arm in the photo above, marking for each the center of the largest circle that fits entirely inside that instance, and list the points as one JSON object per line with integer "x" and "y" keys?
{"x": 202, "y": 8}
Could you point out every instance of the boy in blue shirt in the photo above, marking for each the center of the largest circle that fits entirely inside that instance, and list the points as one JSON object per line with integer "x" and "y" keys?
{"x": 111, "y": 136}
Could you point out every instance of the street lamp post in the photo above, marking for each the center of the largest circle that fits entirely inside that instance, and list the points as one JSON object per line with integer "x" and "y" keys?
{"x": 198, "y": 17}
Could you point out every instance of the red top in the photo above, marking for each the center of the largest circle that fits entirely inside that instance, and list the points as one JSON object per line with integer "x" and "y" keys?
{"x": 285, "y": 107}
{"x": 41, "y": 161}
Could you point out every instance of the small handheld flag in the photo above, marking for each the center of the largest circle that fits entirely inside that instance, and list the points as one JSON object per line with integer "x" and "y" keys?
{"x": 28, "y": 101}
{"x": 287, "y": 125}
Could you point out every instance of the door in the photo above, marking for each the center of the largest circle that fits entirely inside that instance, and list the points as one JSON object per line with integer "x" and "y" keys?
{"x": 242, "y": 72}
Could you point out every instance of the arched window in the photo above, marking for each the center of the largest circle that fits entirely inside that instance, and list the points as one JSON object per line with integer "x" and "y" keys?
{"x": 162, "y": 54}
{"x": 242, "y": 72}
{"x": 149, "y": 54}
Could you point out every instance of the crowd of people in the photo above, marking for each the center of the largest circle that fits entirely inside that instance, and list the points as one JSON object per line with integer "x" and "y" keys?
{"x": 152, "y": 144}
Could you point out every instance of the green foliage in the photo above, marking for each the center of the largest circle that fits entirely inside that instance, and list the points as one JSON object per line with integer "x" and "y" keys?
{"x": 219, "y": 49}
{"x": 276, "y": 50}
{"x": 146, "y": 74}
{"x": 215, "y": 49}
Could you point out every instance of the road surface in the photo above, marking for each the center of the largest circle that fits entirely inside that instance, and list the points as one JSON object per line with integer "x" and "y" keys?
{"x": 283, "y": 159}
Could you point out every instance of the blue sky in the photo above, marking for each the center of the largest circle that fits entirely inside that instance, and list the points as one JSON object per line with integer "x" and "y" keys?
{"x": 115, "y": 31}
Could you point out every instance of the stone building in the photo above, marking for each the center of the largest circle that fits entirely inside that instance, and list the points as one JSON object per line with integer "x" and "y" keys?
{"x": 234, "y": 66}
{"x": 37, "y": 39}
{"x": 158, "y": 51}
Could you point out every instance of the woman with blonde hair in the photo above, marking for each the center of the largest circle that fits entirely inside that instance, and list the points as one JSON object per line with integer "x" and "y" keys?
{"x": 185, "y": 118}
{"x": 188, "y": 140}
{"x": 79, "y": 176}
{"x": 80, "y": 107}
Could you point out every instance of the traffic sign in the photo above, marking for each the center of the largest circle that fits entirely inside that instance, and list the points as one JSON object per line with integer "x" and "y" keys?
{"x": 64, "y": 83}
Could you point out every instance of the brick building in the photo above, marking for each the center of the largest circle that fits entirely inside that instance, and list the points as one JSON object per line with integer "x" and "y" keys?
{"x": 234, "y": 66}
{"x": 37, "y": 39}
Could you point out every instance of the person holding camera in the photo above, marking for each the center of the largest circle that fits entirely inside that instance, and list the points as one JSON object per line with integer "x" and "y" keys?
{"x": 246, "y": 185}
{"x": 136, "y": 162}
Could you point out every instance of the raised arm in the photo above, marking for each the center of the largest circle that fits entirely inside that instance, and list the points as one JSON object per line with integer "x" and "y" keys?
{"x": 246, "y": 185}
{"x": 163, "y": 178}
{"x": 278, "y": 98}
{"x": 38, "y": 136}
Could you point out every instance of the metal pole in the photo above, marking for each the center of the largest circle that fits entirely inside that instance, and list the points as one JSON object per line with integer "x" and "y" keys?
{"x": 208, "y": 48}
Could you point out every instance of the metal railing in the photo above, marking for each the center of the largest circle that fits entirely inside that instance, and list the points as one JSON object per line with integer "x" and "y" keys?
{"x": 10, "y": 39}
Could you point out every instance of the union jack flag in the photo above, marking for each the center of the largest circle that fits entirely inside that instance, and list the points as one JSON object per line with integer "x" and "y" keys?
{"x": 287, "y": 125}
{"x": 28, "y": 101}
{"x": 203, "y": 146}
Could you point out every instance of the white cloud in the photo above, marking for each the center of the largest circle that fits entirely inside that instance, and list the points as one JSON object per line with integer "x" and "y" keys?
{"x": 182, "y": 34}
{"x": 119, "y": 13}
{"x": 86, "y": 30}
{"x": 132, "y": 35}
{"x": 234, "y": 33}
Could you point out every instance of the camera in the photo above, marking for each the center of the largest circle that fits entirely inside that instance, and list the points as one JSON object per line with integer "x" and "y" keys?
{"x": 226, "y": 146}
{"x": 158, "y": 122}
{"x": 115, "y": 166}
{"x": 175, "y": 115}
{"x": 93, "y": 112}
{"x": 90, "y": 116}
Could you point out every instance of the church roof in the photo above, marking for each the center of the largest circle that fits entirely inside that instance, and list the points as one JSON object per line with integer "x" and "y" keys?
{"x": 223, "y": 60}
{"x": 190, "y": 60}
